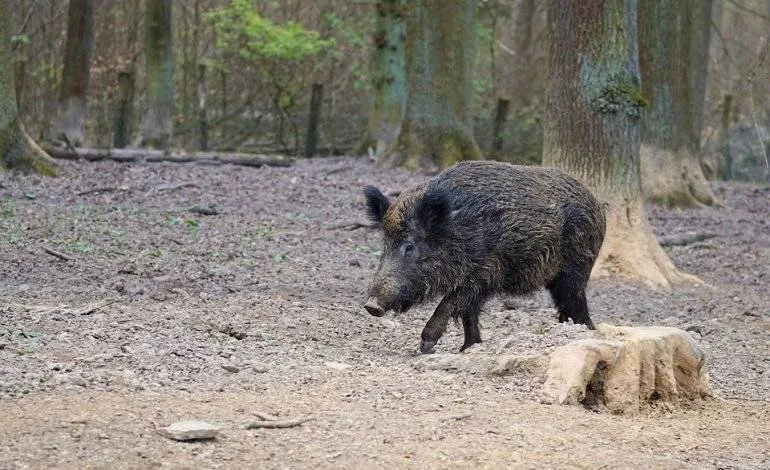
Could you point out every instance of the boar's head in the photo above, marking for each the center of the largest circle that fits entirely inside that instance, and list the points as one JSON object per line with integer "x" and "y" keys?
{"x": 414, "y": 230}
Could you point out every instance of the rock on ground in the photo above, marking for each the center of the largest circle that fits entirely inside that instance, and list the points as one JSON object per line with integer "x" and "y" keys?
{"x": 627, "y": 368}
{"x": 190, "y": 430}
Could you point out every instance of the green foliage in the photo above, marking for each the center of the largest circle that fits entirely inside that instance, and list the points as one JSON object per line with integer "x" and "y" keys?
{"x": 241, "y": 31}
{"x": 348, "y": 34}
{"x": 21, "y": 39}
{"x": 192, "y": 226}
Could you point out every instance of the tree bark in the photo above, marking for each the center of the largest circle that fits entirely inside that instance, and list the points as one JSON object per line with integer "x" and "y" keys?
{"x": 17, "y": 150}
{"x": 593, "y": 107}
{"x": 671, "y": 170}
{"x": 388, "y": 77}
{"x": 311, "y": 142}
{"x": 436, "y": 130}
{"x": 124, "y": 109}
{"x": 157, "y": 123}
{"x": 73, "y": 92}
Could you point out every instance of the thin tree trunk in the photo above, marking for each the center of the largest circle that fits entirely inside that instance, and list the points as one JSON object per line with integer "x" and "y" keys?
{"x": 388, "y": 72}
{"x": 436, "y": 130}
{"x": 157, "y": 122}
{"x": 20, "y": 75}
{"x": 725, "y": 138}
{"x": 524, "y": 71}
{"x": 501, "y": 115}
{"x": 671, "y": 170}
{"x": 17, "y": 150}
{"x": 699, "y": 48}
{"x": 316, "y": 98}
{"x": 203, "y": 123}
{"x": 73, "y": 92}
{"x": 186, "y": 70}
{"x": 593, "y": 107}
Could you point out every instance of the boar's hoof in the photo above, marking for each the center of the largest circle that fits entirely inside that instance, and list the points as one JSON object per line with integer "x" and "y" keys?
{"x": 374, "y": 308}
{"x": 426, "y": 346}
{"x": 468, "y": 345}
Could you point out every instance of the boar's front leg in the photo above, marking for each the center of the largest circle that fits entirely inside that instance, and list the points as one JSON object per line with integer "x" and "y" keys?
{"x": 466, "y": 306}
{"x": 436, "y": 325}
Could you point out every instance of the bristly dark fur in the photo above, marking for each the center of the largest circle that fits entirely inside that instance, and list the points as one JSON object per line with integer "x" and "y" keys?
{"x": 483, "y": 228}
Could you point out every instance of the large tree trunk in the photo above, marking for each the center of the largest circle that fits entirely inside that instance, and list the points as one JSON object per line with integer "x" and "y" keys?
{"x": 157, "y": 121}
{"x": 73, "y": 93}
{"x": 671, "y": 171}
{"x": 388, "y": 77}
{"x": 436, "y": 130}
{"x": 593, "y": 106}
{"x": 17, "y": 150}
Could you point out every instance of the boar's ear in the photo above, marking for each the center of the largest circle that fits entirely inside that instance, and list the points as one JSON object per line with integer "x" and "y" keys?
{"x": 376, "y": 204}
{"x": 432, "y": 211}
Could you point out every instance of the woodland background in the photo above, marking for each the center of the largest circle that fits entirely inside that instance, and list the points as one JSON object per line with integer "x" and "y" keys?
{"x": 255, "y": 97}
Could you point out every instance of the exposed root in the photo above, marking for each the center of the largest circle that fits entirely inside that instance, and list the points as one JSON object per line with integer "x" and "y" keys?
{"x": 421, "y": 147}
{"x": 674, "y": 179}
{"x": 631, "y": 251}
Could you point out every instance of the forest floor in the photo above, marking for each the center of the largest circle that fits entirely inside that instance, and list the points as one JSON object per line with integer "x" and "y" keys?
{"x": 164, "y": 314}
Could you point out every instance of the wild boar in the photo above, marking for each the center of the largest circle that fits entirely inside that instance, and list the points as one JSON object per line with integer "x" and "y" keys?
{"x": 479, "y": 229}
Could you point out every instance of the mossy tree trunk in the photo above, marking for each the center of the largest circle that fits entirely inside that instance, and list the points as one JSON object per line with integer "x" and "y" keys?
{"x": 593, "y": 107}
{"x": 73, "y": 92}
{"x": 17, "y": 151}
{"x": 671, "y": 170}
{"x": 437, "y": 129}
{"x": 388, "y": 77}
{"x": 157, "y": 121}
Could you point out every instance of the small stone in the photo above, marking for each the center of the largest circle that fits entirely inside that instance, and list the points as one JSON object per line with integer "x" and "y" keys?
{"x": 337, "y": 365}
{"x": 259, "y": 369}
{"x": 231, "y": 368}
{"x": 354, "y": 262}
{"x": 190, "y": 430}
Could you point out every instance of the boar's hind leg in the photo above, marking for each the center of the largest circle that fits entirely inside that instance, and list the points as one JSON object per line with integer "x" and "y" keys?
{"x": 471, "y": 326}
{"x": 568, "y": 291}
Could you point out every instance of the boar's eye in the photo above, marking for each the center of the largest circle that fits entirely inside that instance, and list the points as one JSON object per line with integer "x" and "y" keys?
{"x": 407, "y": 248}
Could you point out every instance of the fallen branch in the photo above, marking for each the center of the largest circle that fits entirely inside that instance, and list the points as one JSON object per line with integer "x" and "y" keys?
{"x": 100, "y": 190}
{"x": 277, "y": 424}
{"x": 338, "y": 170}
{"x": 683, "y": 239}
{"x": 57, "y": 254}
{"x": 350, "y": 226}
{"x": 91, "y": 308}
{"x": 459, "y": 417}
{"x": 171, "y": 187}
{"x": 151, "y": 155}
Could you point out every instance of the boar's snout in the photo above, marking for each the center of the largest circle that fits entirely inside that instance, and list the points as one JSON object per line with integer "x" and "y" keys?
{"x": 374, "y": 308}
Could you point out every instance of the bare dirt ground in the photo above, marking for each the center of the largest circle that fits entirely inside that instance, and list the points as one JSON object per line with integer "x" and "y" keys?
{"x": 163, "y": 314}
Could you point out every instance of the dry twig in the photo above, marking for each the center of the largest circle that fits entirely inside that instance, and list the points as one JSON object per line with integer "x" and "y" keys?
{"x": 91, "y": 308}
{"x": 350, "y": 226}
{"x": 682, "y": 239}
{"x": 100, "y": 190}
{"x": 459, "y": 417}
{"x": 57, "y": 254}
{"x": 277, "y": 424}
